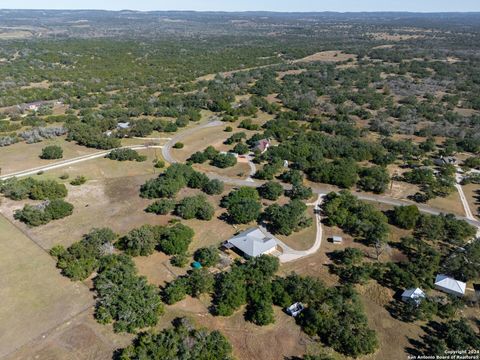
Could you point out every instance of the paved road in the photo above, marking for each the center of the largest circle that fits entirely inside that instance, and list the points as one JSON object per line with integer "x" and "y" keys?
{"x": 67, "y": 162}
{"x": 318, "y": 189}
{"x": 463, "y": 198}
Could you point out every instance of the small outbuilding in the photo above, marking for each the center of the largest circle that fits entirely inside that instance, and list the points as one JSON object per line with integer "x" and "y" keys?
{"x": 415, "y": 296}
{"x": 252, "y": 243}
{"x": 295, "y": 309}
{"x": 450, "y": 285}
{"x": 337, "y": 239}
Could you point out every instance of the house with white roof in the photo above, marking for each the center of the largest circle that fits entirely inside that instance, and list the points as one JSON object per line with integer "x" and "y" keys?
{"x": 450, "y": 285}
{"x": 252, "y": 243}
{"x": 415, "y": 296}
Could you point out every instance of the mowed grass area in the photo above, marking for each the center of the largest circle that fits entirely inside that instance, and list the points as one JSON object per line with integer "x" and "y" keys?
{"x": 35, "y": 297}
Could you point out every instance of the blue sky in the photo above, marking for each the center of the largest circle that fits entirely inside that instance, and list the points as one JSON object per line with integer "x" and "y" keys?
{"x": 244, "y": 5}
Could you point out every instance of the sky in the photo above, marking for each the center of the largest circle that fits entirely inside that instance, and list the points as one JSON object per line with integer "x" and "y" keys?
{"x": 251, "y": 5}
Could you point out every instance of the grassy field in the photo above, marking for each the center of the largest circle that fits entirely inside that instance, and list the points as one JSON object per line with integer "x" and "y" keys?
{"x": 35, "y": 297}
{"x": 23, "y": 156}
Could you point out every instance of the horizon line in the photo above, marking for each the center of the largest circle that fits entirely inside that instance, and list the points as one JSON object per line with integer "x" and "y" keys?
{"x": 260, "y": 11}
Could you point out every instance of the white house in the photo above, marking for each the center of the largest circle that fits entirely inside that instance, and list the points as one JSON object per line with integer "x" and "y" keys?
{"x": 252, "y": 243}
{"x": 123, "y": 125}
{"x": 415, "y": 296}
{"x": 450, "y": 285}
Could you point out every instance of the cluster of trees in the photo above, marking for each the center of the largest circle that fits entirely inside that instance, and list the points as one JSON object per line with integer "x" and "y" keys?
{"x": 36, "y": 215}
{"x": 195, "y": 207}
{"x": 124, "y": 298}
{"x": 125, "y": 155}
{"x": 216, "y": 158}
{"x": 249, "y": 283}
{"x": 334, "y": 314}
{"x": 432, "y": 184}
{"x": 456, "y": 335}
{"x": 172, "y": 240}
{"x": 82, "y": 258}
{"x": 444, "y": 228}
{"x": 51, "y": 152}
{"x": 288, "y": 218}
{"x": 356, "y": 217}
{"x": 182, "y": 341}
{"x": 195, "y": 283}
{"x": 271, "y": 190}
{"x": 464, "y": 264}
{"x": 174, "y": 178}
{"x": 33, "y": 189}
{"x": 243, "y": 205}
{"x": 91, "y": 135}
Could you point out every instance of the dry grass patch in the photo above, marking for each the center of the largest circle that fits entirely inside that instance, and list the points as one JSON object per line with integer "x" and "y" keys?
{"x": 472, "y": 192}
{"x": 328, "y": 56}
{"x": 305, "y": 238}
{"x": 450, "y": 204}
{"x": 35, "y": 297}
{"x": 23, "y": 156}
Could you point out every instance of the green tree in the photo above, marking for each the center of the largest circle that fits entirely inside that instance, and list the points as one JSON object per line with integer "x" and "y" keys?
{"x": 207, "y": 256}
{"x": 271, "y": 190}
{"x": 139, "y": 242}
{"x": 175, "y": 239}
{"x": 405, "y": 217}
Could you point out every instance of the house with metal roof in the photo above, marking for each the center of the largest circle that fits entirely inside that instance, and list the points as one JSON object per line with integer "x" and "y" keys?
{"x": 450, "y": 285}
{"x": 413, "y": 296}
{"x": 252, "y": 243}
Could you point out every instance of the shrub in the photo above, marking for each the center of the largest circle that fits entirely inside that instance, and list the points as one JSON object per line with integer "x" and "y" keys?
{"x": 51, "y": 152}
{"x": 178, "y": 145}
{"x": 159, "y": 164}
{"x": 79, "y": 180}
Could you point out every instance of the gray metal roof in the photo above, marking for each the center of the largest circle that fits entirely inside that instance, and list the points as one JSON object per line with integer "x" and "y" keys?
{"x": 253, "y": 242}
{"x": 445, "y": 282}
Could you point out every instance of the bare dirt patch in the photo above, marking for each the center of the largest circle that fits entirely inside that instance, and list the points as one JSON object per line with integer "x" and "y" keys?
{"x": 328, "y": 56}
